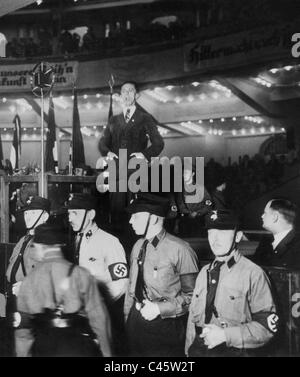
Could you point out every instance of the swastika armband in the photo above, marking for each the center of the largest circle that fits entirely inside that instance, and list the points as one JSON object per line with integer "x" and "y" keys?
{"x": 118, "y": 271}
{"x": 269, "y": 320}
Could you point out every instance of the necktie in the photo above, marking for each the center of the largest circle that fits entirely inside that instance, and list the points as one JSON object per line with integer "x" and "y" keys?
{"x": 77, "y": 246}
{"x": 212, "y": 284}
{"x": 127, "y": 115}
{"x": 140, "y": 283}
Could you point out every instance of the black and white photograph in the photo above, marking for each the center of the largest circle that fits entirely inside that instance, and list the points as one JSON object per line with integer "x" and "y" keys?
{"x": 149, "y": 181}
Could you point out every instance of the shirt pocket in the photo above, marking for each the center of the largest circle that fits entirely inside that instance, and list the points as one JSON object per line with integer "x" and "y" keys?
{"x": 163, "y": 274}
{"x": 232, "y": 305}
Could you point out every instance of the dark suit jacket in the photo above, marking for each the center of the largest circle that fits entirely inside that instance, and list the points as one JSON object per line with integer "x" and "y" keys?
{"x": 286, "y": 253}
{"x": 132, "y": 136}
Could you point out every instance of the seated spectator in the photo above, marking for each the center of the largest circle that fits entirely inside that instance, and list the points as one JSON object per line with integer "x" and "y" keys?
{"x": 282, "y": 247}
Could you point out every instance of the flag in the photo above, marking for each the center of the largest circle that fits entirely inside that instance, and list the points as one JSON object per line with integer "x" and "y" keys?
{"x": 111, "y": 82}
{"x": 15, "y": 151}
{"x": 51, "y": 143}
{"x": 77, "y": 141}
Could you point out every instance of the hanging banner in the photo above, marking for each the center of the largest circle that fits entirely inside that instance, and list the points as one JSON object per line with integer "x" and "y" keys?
{"x": 17, "y": 77}
{"x": 234, "y": 50}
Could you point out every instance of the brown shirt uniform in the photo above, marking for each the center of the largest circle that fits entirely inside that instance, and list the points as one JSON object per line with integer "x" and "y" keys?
{"x": 244, "y": 305}
{"x": 45, "y": 286}
{"x": 168, "y": 258}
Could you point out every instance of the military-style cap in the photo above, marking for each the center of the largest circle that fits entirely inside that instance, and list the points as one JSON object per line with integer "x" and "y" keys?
{"x": 81, "y": 201}
{"x": 146, "y": 202}
{"x": 36, "y": 202}
{"x": 49, "y": 234}
{"x": 221, "y": 219}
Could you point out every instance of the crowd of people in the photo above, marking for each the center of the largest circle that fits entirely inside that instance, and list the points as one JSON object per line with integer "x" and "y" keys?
{"x": 213, "y": 19}
{"x": 85, "y": 298}
{"x": 69, "y": 42}
{"x": 77, "y": 292}
{"x": 249, "y": 178}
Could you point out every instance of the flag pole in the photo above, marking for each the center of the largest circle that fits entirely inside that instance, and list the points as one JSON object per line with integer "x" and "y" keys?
{"x": 42, "y": 141}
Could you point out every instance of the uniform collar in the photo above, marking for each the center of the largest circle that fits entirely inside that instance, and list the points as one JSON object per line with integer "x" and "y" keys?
{"x": 231, "y": 261}
{"x": 156, "y": 239}
{"x": 89, "y": 231}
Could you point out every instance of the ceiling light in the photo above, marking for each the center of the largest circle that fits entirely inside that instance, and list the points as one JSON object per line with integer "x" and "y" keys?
{"x": 98, "y": 95}
{"x": 169, "y": 87}
{"x": 222, "y": 120}
{"x": 274, "y": 70}
{"x": 195, "y": 83}
{"x": 5, "y": 129}
{"x": 288, "y": 67}
{"x": 85, "y": 96}
{"x": 34, "y": 129}
{"x": 272, "y": 129}
{"x": 234, "y": 119}
{"x": 4, "y": 99}
{"x": 94, "y": 127}
{"x": 200, "y": 121}
{"x": 283, "y": 129}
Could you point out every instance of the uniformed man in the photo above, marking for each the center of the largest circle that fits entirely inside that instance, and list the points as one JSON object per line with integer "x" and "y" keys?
{"x": 36, "y": 211}
{"x": 103, "y": 255}
{"x": 60, "y": 310}
{"x": 232, "y": 312}
{"x": 163, "y": 269}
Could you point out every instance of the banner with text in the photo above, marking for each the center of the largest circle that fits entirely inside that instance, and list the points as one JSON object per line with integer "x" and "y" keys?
{"x": 17, "y": 77}
{"x": 238, "y": 49}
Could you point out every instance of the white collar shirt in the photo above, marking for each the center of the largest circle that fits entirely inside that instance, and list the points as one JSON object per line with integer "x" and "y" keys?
{"x": 132, "y": 110}
{"x": 279, "y": 237}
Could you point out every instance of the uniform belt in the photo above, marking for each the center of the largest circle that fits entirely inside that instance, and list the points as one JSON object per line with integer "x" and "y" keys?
{"x": 46, "y": 320}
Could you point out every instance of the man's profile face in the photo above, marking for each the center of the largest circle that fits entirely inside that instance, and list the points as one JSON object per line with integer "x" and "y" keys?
{"x": 76, "y": 217}
{"x": 31, "y": 216}
{"x": 268, "y": 217}
{"x": 138, "y": 222}
{"x": 128, "y": 95}
{"x": 220, "y": 241}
